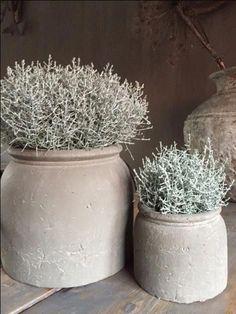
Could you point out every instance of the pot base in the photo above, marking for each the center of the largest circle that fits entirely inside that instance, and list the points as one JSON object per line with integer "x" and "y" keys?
{"x": 59, "y": 282}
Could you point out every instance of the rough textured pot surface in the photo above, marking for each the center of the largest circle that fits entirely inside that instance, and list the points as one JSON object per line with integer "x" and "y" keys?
{"x": 216, "y": 119}
{"x": 180, "y": 258}
{"x": 64, "y": 216}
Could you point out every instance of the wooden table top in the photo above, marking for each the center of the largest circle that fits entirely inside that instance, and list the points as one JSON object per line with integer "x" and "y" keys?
{"x": 119, "y": 294}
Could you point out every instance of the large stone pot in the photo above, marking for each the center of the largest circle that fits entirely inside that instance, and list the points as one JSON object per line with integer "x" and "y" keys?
{"x": 216, "y": 119}
{"x": 179, "y": 257}
{"x": 65, "y": 216}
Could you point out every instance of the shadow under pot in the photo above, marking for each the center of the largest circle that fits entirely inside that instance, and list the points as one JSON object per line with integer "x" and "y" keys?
{"x": 180, "y": 257}
{"x": 65, "y": 216}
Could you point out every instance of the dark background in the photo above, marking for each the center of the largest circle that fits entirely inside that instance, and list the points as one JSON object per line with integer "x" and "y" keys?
{"x": 104, "y": 31}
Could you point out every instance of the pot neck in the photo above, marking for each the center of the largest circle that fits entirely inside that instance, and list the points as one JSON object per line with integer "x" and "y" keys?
{"x": 225, "y": 80}
{"x": 178, "y": 219}
{"x": 47, "y": 156}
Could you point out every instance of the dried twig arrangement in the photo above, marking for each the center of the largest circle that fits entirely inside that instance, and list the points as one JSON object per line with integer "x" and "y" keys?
{"x": 164, "y": 19}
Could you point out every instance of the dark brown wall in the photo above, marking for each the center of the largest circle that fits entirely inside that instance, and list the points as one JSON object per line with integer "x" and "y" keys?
{"x": 102, "y": 31}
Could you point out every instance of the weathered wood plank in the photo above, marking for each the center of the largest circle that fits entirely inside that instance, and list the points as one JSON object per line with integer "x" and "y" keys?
{"x": 117, "y": 294}
{"x": 121, "y": 294}
{"x": 17, "y": 297}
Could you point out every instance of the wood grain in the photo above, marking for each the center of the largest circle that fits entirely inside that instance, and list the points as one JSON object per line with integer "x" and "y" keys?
{"x": 16, "y": 296}
{"x": 120, "y": 294}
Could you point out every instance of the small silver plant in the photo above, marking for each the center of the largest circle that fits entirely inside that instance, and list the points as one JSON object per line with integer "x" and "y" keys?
{"x": 49, "y": 106}
{"x": 182, "y": 181}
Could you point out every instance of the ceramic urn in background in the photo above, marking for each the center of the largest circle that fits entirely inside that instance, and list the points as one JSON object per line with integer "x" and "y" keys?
{"x": 216, "y": 119}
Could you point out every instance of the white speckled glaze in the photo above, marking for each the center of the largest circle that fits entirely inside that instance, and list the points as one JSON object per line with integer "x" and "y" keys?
{"x": 180, "y": 258}
{"x": 65, "y": 216}
{"x": 216, "y": 119}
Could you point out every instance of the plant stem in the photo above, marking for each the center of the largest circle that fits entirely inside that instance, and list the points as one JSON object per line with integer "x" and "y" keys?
{"x": 203, "y": 41}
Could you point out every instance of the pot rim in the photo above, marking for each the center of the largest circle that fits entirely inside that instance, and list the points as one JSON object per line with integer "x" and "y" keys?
{"x": 65, "y": 155}
{"x": 226, "y": 72}
{"x": 177, "y": 218}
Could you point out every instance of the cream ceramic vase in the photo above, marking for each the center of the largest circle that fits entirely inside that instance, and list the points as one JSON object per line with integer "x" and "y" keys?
{"x": 216, "y": 119}
{"x": 179, "y": 257}
{"x": 65, "y": 216}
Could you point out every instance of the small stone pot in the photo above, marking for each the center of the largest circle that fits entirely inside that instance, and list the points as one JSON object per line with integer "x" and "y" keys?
{"x": 180, "y": 258}
{"x": 65, "y": 216}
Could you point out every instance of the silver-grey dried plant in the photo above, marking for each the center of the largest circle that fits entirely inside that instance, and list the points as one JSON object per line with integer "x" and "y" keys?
{"x": 49, "y": 106}
{"x": 182, "y": 181}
